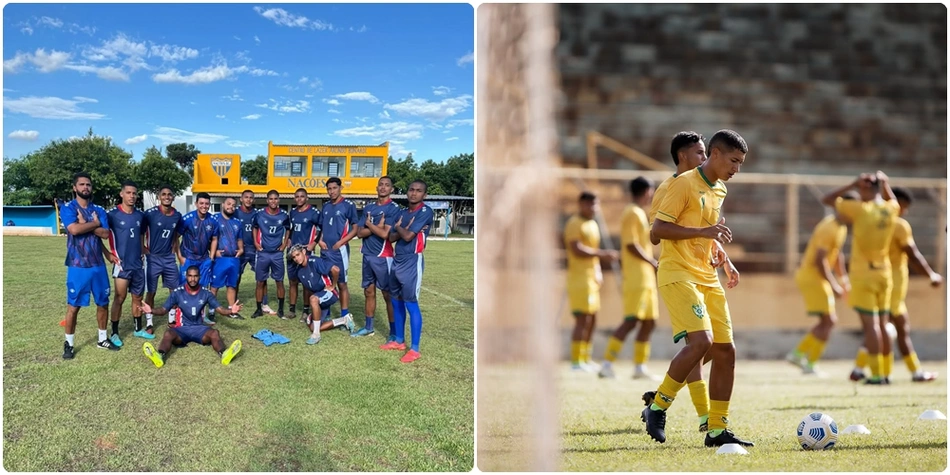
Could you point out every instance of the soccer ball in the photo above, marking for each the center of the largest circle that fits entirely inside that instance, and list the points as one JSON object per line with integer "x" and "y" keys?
{"x": 817, "y": 431}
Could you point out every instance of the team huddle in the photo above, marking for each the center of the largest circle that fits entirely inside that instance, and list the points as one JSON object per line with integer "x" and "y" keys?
{"x": 685, "y": 220}
{"x": 198, "y": 253}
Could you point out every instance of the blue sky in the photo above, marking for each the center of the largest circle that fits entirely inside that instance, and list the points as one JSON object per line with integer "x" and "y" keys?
{"x": 228, "y": 78}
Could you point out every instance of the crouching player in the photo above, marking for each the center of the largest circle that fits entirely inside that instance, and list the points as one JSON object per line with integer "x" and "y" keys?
{"x": 191, "y": 301}
{"x": 319, "y": 276}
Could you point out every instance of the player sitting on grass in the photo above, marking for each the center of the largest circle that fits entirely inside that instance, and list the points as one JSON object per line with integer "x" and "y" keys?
{"x": 191, "y": 301}
{"x": 319, "y": 276}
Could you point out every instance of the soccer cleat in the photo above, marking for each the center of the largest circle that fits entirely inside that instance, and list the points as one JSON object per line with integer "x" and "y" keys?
{"x": 856, "y": 375}
{"x": 68, "y": 351}
{"x": 350, "y": 327}
{"x": 811, "y": 370}
{"x": 877, "y": 381}
{"x": 640, "y": 374}
{"x": 290, "y": 315}
{"x": 236, "y": 316}
{"x": 231, "y": 352}
{"x": 257, "y": 314}
{"x": 704, "y": 427}
{"x": 150, "y": 330}
{"x": 656, "y": 424}
{"x": 363, "y": 332}
{"x": 606, "y": 372}
{"x": 280, "y": 315}
{"x": 266, "y": 308}
{"x": 796, "y": 359}
{"x": 313, "y": 340}
{"x": 726, "y": 437}
{"x": 576, "y": 367}
{"x": 590, "y": 366}
{"x": 116, "y": 340}
{"x": 410, "y": 356}
{"x": 144, "y": 334}
{"x": 153, "y": 355}
{"x": 107, "y": 345}
{"x": 208, "y": 320}
{"x": 393, "y": 345}
{"x": 923, "y": 376}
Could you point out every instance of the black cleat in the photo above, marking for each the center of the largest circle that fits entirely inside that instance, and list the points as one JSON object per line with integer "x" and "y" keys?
{"x": 726, "y": 437}
{"x": 68, "y": 352}
{"x": 656, "y": 423}
{"x": 257, "y": 314}
{"x": 107, "y": 345}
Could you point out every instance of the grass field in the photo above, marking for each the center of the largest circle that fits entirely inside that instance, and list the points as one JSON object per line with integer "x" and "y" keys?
{"x": 602, "y": 431}
{"x": 342, "y": 405}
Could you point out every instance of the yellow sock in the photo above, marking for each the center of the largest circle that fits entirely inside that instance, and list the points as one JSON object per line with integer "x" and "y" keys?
{"x": 816, "y": 349}
{"x": 805, "y": 345}
{"x": 666, "y": 393}
{"x": 913, "y": 364}
{"x": 875, "y": 362}
{"x": 641, "y": 352}
{"x": 700, "y": 397}
{"x": 861, "y": 361}
{"x": 887, "y": 363}
{"x": 718, "y": 415}
{"x": 576, "y": 352}
{"x": 588, "y": 352}
{"x": 614, "y": 346}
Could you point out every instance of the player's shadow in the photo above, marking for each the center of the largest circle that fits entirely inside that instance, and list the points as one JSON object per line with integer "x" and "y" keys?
{"x": 625, "y": 431}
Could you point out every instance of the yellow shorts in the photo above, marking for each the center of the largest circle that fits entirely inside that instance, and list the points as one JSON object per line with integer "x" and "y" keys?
{"x": 871, "y": 293}
{"x": 696, "y": 308}
{"x": 583, "y": 296}
{"x": 640, "y": 302}
{"x": 898, "y": 298}
{"x": 819, "y": 299}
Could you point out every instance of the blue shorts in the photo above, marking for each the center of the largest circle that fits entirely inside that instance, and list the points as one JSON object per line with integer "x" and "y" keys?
{"x": 376, "y": 271}
{"x": 224, "y": 272}
{"x": 293, "y": 269}
{"x": 406, "y": 277}
{"x": 165, "y": 266}
{"x": 204, "y": 268}
{"x": 191, "y": 333}
{"x": 272, "y": 262}
{"x": 326, "y": 298}
{"x": 247, "y": 258}
{"x": 81, "y": 281}
{"x": 339, "y": 258}
{"x": 136, "y": 280}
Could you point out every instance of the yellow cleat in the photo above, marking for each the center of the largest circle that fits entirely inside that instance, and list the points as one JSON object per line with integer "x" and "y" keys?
{"x": 153, "y": 355}
{"x": 231, "y": 352}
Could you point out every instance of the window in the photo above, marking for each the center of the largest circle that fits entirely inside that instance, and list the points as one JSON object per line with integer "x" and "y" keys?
{"x": 289, "y": 166}
{"x": 328, "y": 166}
{"x": 366, "y": 167}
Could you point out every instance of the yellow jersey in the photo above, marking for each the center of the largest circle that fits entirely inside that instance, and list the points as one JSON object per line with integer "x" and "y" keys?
{"x": 828, "y": 235}
{"x": 873, "y": 226}
{"x": 635, "y": 230}
{"x": 903, "y": 237}
{"x": 691, "y": 200}
{"x": 586, "y": 231}
{"x": 658, "y": 195}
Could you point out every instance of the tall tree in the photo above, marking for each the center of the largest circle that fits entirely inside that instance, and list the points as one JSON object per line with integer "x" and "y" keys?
{"x": 255, "y": 171}
{"x": 16, "y": 183}
{"x": 184, "y": 155}
{"x": 402, "y": 172}
{"x": 156, "y": 170}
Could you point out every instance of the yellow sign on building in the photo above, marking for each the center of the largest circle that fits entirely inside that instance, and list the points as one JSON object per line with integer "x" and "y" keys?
{"x": 297, "y": 166}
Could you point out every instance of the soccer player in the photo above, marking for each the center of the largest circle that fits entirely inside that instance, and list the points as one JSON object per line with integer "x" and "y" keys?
{"x": 304, "y": 225}
{"x": 197, "y": 230}
{"x": 378, "y": 254}
{"x": 191, "y": 300}
{"x": 640, "y": 302}
{"x": 86, "y": 225}
{"x": 338, "y": 223}
{"x": 162, "y": 223}
{"x": 690, "y": 286}
{"x": 245, "y": 213}
{"x": 584, "y": 277}
{"x": 319, "y": 275}
{"x": 409, "y": 232}
{"x": 271, "y": 236}
{"x": 226, "y": 252}
{"x": 125, "y": 243}
{"x": 819, "y": 287}
{"x": 874, "y": 219}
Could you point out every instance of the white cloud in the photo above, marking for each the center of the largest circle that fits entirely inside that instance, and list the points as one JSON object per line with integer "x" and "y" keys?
{"x": 49, "y": 62}
{"x": 333, "y": 111}
{"x": 257, "y": 40}
{"x": 289, "y": 106}
{"x": 13, "y": 64}
{"x": 432, "y": 110}
{"x": 252, "y": 117}
{"x": 26, "y": 30}
{"x": 358, "y": 96}
{"x": 234, "y": 97}
{"x": 75, "y": 28}
{"x": 398, "y": 149}
{"x": 85, "y": 99}
{"x": 111, "y": 50}
{"x": 242, "y": 143}
{"x": 308, "y": 95}
{"x": 104, "y": 72}
{"x": 468, "y": 58}
{"x": 262, "y": 72}
{"x": 219, "y": 116}
{"x": 387, "y": 131}
{"x": 205, "y": 75}
{"x": 53, "y": 22}
{"x": 451, "y": 139}
{"x": 173, "y": 135}
{"x": 237, "y": 37}
{"x": 384, "y": 115}
{"x": 173, "y": 52}
{"x": 460, "y": 122}
{"x": 29, "y": 135}
{"x": 136, "y": 140}
{"x": 49, "y": 108}
{"x": 332, "y": 102}
{"x": 303, "y": 80}
{"x": 441, "y": 90}
{"x": 361, "y": 29}
{"x": 284, "y": 18}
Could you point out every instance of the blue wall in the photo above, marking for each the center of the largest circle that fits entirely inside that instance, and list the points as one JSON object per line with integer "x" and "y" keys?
{"x": 44, "y": 216}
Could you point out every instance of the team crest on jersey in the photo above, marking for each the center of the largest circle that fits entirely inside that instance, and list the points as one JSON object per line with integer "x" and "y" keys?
{"x": 698, "y": 310}
{"x": 122, "y": 223}
{"x": 221, "y": 166}
{"x": 208, "y": 227}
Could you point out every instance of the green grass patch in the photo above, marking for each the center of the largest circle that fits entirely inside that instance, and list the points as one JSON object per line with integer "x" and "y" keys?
{"x": 341, "y": 405}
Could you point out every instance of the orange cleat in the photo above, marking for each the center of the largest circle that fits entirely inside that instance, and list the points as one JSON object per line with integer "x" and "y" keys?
{"x": 392, "y": 345}
{"x": 410, "y": 356}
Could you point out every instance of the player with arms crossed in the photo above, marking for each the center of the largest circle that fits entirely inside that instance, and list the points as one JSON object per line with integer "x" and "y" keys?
{"x": 162, "y": 224}
{"x": 688, "y": 219}
{"x": 245, "y": 213}
{"x": 410, "y": 233}
{"x": 271, "y": 236}
{"x": 126, "y": 225}
{"x": 874, "y": 219}
{"x": 86, "y": 225}
{"x": 191, "y": 301}
{"x": 319, "y": 275}
{"x": 338, "y": 224}
{"x": 304, "y": 225}
{"x": 378, "y": 254}
{"x": 819, "y": 287}
{"x": 226, "y": 250}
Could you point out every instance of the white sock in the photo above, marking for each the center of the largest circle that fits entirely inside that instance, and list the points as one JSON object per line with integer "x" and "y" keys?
{"x": 316, "y": 330}
{"x": 339, "y": 321}
{"x": 148, "y": 319}
{"x": 103, "y": 335}
{"x": 70, "y": 339}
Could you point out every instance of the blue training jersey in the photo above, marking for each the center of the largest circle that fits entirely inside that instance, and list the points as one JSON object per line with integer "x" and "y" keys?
{"x": 304, "y": 225}
{"x": 229, "y": 232}
{"x": 125, "y": 237}
{"x": 315, "y": 276}
{"x": 247, "y": 220}
{"x": 375, "y": 245}
{"x": 83, "y": 250}
{"x": 161, "y": 230}
{"x": 273, "y": 228}
{"x": 336, "y": 220}
{"x": 196, "y": 234}
{"x": 421, "y": 218}
{"x": 191, "y": 305}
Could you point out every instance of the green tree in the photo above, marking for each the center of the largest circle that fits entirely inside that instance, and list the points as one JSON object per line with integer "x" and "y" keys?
{"x": 255, "y": 171}
{"x": 458, "y": 175}
{"x": 156, "y": 170}
{"x": 184, "y": 155}
{"x": 402, "y": 172}
{"x": 16, "y": 183}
